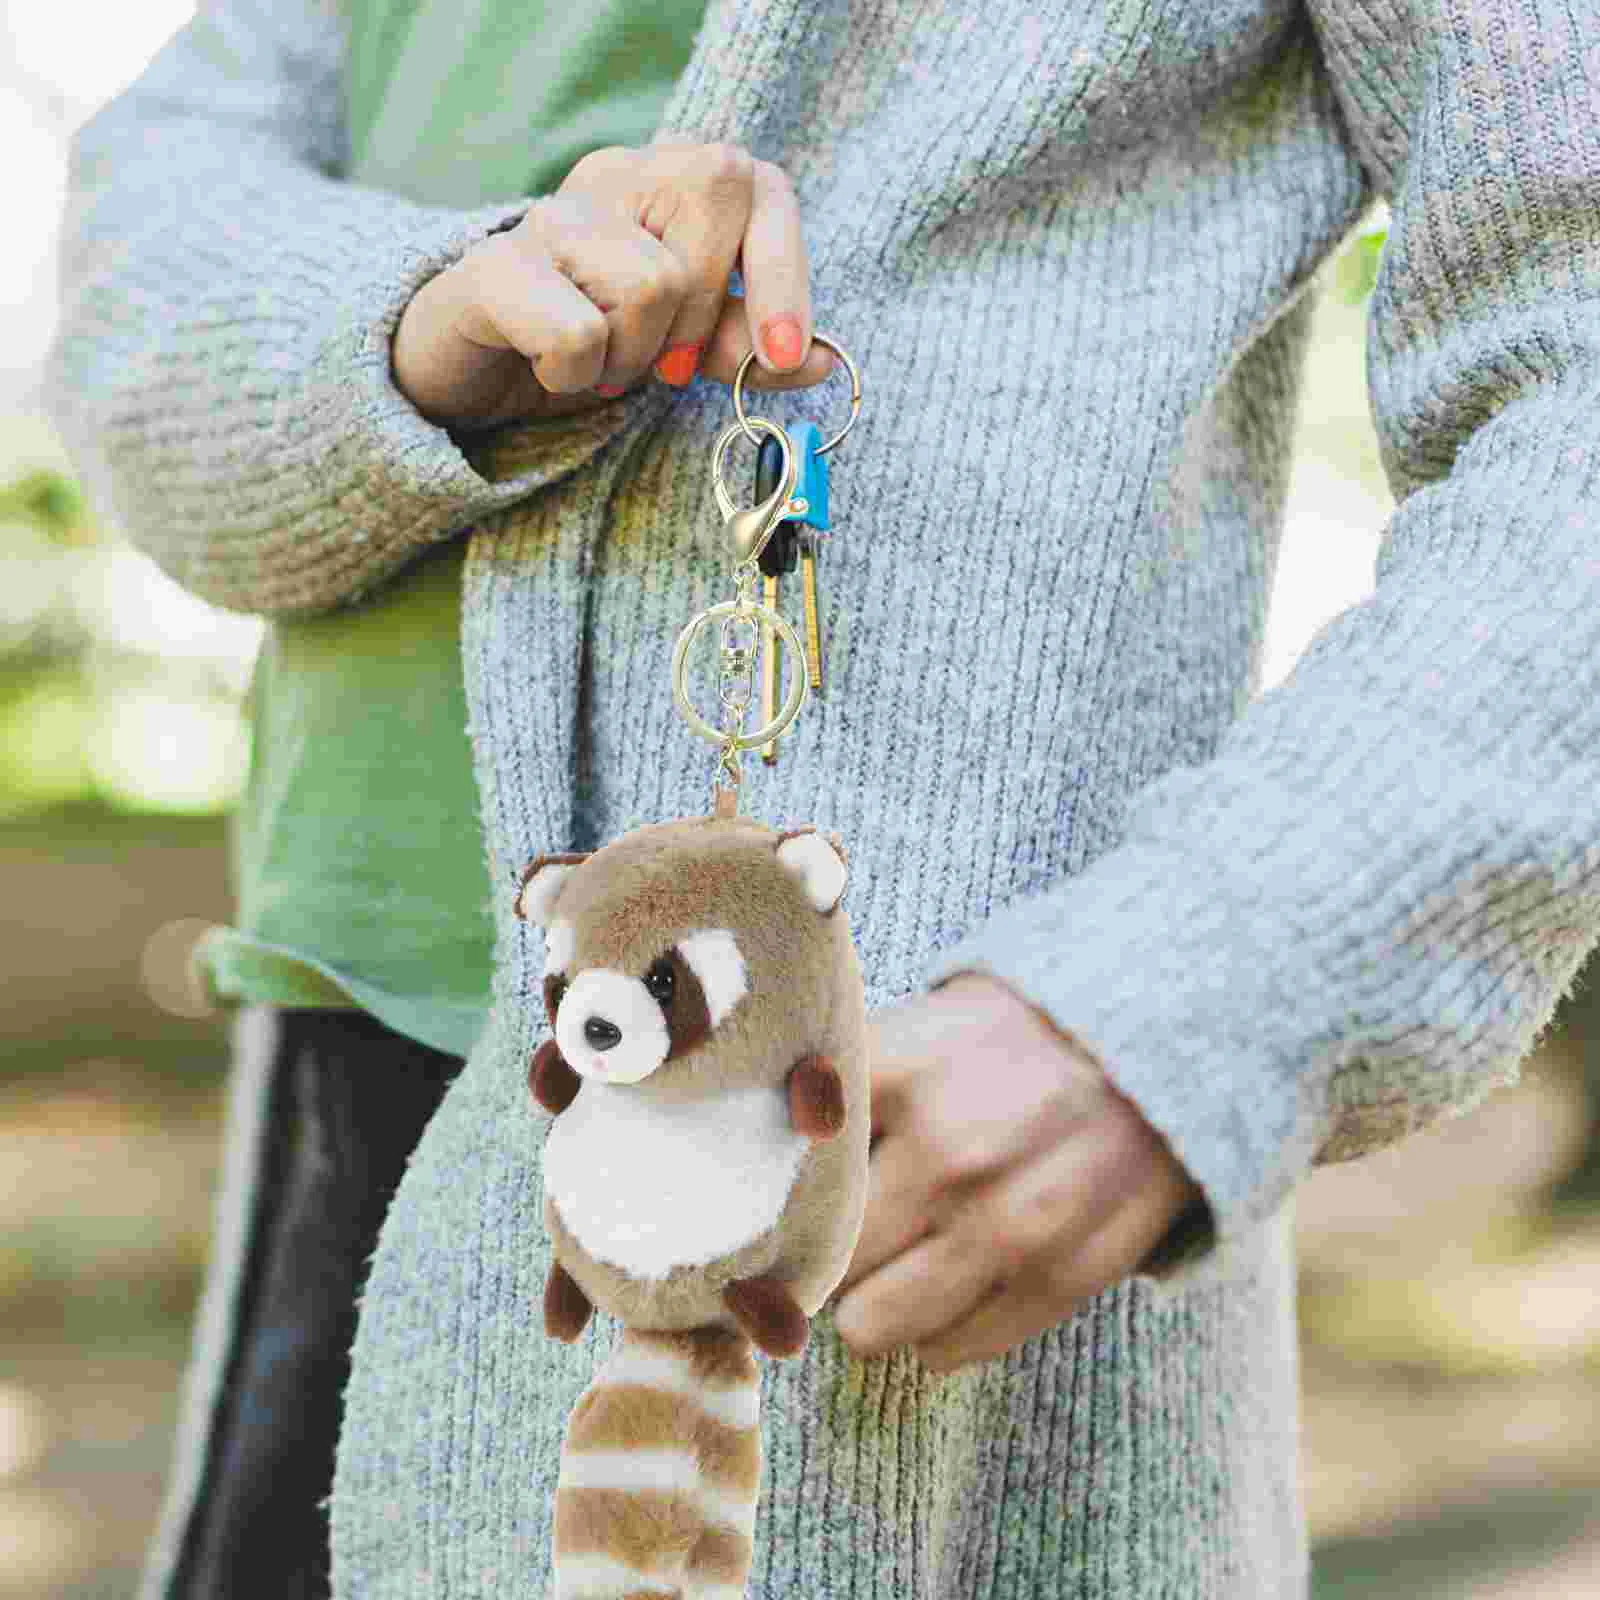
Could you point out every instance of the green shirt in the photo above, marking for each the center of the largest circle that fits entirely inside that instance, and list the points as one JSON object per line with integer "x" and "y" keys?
{"x": 357, "y": 850}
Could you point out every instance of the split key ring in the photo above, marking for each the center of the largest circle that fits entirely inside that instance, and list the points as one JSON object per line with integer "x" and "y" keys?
{"x": 855, "y": 394}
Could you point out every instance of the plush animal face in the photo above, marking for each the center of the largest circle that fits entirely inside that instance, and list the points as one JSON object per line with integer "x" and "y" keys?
{"x": 618, "y": 1027}
{"x": 655, "y": 943}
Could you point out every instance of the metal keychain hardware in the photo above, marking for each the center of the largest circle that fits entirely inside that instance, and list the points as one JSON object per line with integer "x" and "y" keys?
{"x": 747, "y": 531}
{"x": 778, "y": 556}
{"x": 793, "y": 544}
{"x": 855, "y": 394}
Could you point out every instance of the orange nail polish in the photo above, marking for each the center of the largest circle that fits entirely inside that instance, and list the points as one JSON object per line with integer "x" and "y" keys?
{"x": 677, "y": 365}
{"x": 781, "y": 335}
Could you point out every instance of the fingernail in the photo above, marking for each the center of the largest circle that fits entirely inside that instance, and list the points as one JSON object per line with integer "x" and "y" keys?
{"x": 781, "y": 336}
{"x": 676, "y": 366}
{"x": 607, "y": 391}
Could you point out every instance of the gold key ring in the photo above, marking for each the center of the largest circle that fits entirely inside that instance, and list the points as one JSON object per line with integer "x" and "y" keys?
{"x": 797, "y": 677}
{"x": 855, "y": 394}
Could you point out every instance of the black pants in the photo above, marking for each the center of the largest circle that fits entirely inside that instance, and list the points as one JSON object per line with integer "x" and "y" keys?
{"x": 346, "y": 1101}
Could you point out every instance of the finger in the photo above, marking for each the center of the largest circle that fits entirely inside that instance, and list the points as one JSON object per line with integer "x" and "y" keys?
{"x": 465, "y": 351}
{"x": 772, "y": 262}
{"x": 710, "y": 202}
{"x": 1057, "y": 1288}
{"x": 898, "y": 1212}
{"x": 514, "y": 296}
{"x": 1049, "y": 1206}
{"x": 887, "y": 1100}
{"x": 774, "y": 316}
{"x": 934, "y": 1284}
{"x": 730, "y": 344}
{"x": 627, "y": 276}
{"x": 699, "y": 209}
{"x": 901, "y": 1047}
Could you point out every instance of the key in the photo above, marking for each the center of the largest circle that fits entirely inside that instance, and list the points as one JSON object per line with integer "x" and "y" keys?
{"x": 811, "y": 500}
{"x": 808, "y": 584}
{"x": 771, "y": 649}
{"x": 776, "y": 558}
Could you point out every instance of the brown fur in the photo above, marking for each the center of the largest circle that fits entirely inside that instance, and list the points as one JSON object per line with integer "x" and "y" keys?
{"x": 566, "y": 1306}
{"x": 628, "y": 903}
{"x": 553, "y": 988}
{"x": 688, "y": 1020}
{"x": 767, "y": 1312}
{"x": 801, "y": 1031}
{"x": 816, "y": 1098}
{"x": 717, "y": 1359}
{"x": 648, "y": 1528}
{"x": 721, "y": 1556}
{"x": 553, "y": 1083}
{"x": 838, "y": 849}
{"x": 619, "y": 1415}
{"x": 569, "y": 859}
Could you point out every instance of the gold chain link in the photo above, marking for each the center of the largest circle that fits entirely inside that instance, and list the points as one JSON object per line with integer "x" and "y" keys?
{"x": 737, "y": 680}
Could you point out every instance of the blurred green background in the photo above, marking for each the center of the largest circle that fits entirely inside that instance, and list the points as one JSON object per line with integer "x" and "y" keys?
{"x": 1450, "y": 1288}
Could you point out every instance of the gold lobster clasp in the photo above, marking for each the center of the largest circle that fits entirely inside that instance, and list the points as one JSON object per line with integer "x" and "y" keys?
{"x": 747, "y": 530}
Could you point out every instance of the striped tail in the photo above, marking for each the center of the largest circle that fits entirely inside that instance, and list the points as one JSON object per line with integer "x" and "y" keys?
{"x": 660, "y": 1469}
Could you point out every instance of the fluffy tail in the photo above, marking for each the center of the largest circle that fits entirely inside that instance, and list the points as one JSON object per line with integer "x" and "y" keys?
{"x": 660, "y": 1470}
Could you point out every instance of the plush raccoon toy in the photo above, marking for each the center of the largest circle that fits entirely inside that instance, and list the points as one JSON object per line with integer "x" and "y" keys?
{"x": 704, "y": 1176}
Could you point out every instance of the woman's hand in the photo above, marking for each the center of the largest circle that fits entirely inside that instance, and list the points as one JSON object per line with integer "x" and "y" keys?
{"x": 628, "y": 260}
{"x": 1009, "y": 1180}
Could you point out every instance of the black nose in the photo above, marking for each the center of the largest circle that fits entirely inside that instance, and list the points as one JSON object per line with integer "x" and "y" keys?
{"x": 602, "y": 1034}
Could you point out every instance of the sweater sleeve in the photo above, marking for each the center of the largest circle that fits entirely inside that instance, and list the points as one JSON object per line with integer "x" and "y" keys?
{"x": 221, "y": 371}
{"x": 1362, "y": 911}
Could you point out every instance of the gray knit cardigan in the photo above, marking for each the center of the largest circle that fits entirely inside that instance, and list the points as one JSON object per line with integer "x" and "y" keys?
{"x": 1067, "y": 244}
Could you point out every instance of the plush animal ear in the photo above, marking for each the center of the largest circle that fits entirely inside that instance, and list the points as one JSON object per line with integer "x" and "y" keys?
{"x": 817, "y": 862}
{"x": 541, "y": 883}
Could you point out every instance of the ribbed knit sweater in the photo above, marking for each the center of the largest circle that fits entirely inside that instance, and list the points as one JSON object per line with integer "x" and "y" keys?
{"x": 1067, "y": 246}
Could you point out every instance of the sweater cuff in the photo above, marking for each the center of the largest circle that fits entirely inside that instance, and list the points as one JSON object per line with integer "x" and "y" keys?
{"x": 413, "y": 482}
{"x": 1164, "y": 974}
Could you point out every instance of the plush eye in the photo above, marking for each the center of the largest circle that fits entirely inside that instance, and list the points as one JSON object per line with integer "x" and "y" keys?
{"x": 554, "y": 989}
{"x": 658, "y": 980}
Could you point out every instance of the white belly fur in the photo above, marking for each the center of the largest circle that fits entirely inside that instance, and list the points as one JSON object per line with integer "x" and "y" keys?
{"x": 648, "y": 1187}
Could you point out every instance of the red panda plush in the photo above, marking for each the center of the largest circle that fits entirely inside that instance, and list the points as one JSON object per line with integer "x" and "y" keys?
{"x": 705, "y": 1173}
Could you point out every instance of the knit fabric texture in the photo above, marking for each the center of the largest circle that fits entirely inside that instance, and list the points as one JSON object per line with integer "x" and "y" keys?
{"x": 1068, "y": 247}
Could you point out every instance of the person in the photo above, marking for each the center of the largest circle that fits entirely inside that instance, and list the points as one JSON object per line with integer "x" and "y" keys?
{"x": 1141, "y": 944}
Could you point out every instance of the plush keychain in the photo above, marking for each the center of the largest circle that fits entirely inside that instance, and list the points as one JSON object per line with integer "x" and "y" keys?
{"x": 705, "y": 1169}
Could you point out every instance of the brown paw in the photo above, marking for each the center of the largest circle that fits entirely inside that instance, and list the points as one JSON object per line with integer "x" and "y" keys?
{"x": 550, "y": 1080}
{"x": 769, "y": 1315}
{"x": 566, "y": 1306}
{"x": 816, "y": 1098}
